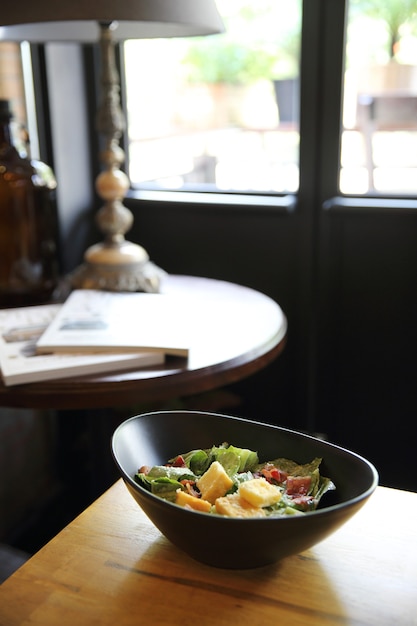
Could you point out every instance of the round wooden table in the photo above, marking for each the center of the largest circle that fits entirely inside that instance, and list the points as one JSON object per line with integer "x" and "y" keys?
{"x": 243, "y": 331}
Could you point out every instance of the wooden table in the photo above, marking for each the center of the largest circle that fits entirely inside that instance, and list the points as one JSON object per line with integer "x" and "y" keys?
{"x": 112, "y": 566}
{"x": 245, "y": 333}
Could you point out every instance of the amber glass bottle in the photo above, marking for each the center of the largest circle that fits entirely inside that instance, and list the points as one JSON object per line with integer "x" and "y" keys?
{"x": 28, "y": 224}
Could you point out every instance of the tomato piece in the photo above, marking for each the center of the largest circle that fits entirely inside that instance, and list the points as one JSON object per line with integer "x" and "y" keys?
{"x": 273, "y": 474}
{"x": 298, "y": 485}
{"x": 178, "y": 461}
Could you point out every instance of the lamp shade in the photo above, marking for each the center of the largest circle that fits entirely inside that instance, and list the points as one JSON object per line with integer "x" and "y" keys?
{"x": 39, "y": 21}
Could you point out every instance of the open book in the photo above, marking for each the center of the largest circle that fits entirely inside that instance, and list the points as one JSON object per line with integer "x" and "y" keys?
{"x": 92, "y": 321}
{"x": 19, "y": 363}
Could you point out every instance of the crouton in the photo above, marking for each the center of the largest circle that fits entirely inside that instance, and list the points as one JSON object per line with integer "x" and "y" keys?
{"x": 214, "y": 483}
{"x": 186, "y": 499}
{"x": 234, "y": 505}
{"x": 259, "y": 492}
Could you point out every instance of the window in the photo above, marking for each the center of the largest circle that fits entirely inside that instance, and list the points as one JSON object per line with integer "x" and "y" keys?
{"x": 379, "y": 154}
{"x": 12, "y": 82}
{"x": 16, "y": 85}
{"x": 218, "y": 112}
{"x": 209, "y": 113}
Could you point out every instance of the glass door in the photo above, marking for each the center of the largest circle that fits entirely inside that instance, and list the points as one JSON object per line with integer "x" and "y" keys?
{"x": 379, "y": 136}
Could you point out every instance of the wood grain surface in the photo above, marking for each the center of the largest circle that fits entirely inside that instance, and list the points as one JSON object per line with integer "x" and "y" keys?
{"x": 111, "y": 566}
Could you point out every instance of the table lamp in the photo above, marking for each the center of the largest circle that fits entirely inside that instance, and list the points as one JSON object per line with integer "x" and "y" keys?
{"x": 115, "y": 264}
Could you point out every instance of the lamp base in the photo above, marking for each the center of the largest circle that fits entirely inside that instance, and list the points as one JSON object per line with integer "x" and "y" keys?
{"x": 117, "y": 267}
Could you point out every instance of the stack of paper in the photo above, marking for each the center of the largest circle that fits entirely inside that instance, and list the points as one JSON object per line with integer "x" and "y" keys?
{"x": 20, "y": 329}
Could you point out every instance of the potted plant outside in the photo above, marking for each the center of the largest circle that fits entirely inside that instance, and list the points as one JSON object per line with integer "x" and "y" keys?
{"x": 399, "y": 19}
{"x": 256, "y": 49}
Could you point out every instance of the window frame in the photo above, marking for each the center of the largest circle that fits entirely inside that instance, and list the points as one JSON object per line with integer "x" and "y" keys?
{"x": 323, "y": 39}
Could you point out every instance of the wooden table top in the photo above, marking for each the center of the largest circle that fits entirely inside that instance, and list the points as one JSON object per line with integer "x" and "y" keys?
{"x": 245, "y": 332}
{"x": 112, "y": 566}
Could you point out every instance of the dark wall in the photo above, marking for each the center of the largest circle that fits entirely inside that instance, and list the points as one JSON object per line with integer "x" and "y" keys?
{"x": 367, "y": 368}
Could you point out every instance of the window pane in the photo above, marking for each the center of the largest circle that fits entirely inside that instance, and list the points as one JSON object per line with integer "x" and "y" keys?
{"x": 16, "y": 85}
{"x": 379, "y": 137}
{"x": 11, "y": 83}
{"x": 218, "y": 112}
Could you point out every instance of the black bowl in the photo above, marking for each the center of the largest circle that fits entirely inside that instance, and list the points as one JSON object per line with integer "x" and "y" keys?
{"x": 153, "y": 438}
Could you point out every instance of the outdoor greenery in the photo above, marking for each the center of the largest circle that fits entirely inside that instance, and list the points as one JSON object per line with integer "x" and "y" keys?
{"x": 398, "y": 16}
{"x": 227, "y": 61}
{"x": 254, "y": 46}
